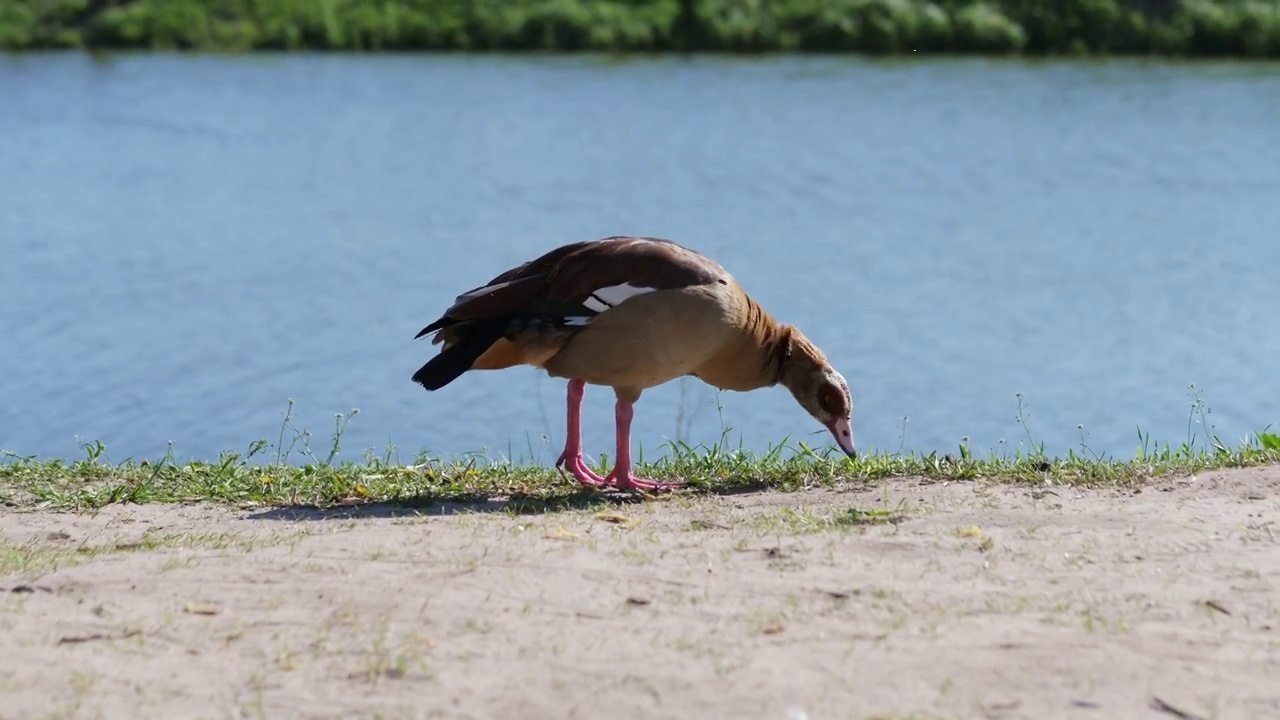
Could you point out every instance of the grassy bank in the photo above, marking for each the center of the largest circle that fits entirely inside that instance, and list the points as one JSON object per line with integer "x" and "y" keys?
{"x": 259, "y": 477}
{"x": 1200, "y": 28}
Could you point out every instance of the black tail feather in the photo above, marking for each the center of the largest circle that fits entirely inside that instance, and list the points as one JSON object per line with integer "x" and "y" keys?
{"x": 442, "y": 323}
{"x": 450, "y": 364}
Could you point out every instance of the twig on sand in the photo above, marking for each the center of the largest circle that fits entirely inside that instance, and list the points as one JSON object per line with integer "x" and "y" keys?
{"x": 1215, "y": 605}
{"x": 1162, "y": 706}
{"x": 75, "y": 639}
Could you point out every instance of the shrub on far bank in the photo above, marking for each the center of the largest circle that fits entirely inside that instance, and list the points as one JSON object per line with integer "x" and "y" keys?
{"x": 1208, "y": 28}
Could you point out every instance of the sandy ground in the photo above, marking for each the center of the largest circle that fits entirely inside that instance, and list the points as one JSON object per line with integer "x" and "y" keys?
{"x": 980, "y": 602}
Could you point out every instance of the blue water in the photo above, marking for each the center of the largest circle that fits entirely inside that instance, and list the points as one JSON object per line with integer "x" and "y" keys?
{"x": 186, "y": 243}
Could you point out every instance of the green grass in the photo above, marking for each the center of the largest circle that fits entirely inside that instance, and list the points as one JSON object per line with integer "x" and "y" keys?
{"x": 259, "y": 478}
{"x": 1200, "y": 28}
{"x": 38, "y": 556}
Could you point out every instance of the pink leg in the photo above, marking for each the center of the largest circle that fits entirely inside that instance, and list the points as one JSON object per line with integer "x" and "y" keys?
{"x": 621, "y": 476}
{"x": 571, "y": 458}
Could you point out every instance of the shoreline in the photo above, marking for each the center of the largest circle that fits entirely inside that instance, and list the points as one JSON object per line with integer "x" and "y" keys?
{"x": 267, "y": 474}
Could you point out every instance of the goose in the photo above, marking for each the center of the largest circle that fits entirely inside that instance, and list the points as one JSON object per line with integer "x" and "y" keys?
{"x": 631, "y": 313}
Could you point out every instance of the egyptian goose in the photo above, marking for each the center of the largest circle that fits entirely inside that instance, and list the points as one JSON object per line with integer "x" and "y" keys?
{"x": 631, "y": 313}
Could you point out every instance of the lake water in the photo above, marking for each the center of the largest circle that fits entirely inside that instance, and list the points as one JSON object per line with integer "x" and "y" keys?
{"x": 186, "y": 243}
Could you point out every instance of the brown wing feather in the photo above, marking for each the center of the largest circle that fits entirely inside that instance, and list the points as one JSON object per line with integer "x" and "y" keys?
{"x": 569, "y": 274}
{"x": 641, "y": 262}
{"x": 525, "y": 314}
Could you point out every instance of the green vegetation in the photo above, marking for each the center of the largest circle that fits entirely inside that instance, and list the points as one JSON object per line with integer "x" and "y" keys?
{"x": 1242, "y": 28}
{"x": 38, "y": 555}
{"x": 257, "y": 478}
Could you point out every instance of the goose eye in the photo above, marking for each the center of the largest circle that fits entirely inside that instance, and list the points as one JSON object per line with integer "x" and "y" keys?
{"x": 830, "y": 399}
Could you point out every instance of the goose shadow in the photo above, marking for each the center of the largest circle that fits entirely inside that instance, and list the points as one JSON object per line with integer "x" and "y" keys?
{"x": 454, "y": 504}
{"x": 430, "y": 505}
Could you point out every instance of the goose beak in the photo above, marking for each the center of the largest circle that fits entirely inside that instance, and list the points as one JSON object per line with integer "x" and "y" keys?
{"x": 842, "y": 430}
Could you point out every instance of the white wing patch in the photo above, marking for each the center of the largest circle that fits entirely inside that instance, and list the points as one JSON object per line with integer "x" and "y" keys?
{"x": 599, "y": 301}
{"x": 614, "y": 295}
{"x": 481, "y": 291}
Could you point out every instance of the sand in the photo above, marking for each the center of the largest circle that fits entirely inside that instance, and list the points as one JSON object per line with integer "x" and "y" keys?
{"x": 978, "y": 601}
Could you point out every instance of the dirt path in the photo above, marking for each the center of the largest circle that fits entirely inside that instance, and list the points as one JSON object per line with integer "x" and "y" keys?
{"x": 982, "y": 601}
